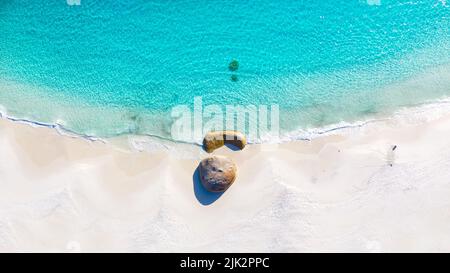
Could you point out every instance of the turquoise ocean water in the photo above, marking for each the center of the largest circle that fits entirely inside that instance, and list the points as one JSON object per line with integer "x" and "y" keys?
{"x": 106, "y": 68}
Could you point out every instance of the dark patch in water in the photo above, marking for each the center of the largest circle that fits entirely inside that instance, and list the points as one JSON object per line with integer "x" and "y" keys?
{"x": 233, "y": 65}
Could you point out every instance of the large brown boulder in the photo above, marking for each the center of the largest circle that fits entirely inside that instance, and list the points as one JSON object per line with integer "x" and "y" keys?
{"x": 217, "y": 173}
{"x": 217, "y": 139}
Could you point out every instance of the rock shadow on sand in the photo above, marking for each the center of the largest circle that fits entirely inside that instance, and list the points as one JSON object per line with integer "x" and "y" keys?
{"x": 232, "y": 147}
{"x": 203, "y": 196}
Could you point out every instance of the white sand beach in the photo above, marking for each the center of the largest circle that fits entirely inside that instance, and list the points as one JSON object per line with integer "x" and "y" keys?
{"x": 345, "y": 191}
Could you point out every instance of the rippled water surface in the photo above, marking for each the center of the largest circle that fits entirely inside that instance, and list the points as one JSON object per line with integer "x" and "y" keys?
{"x": 112, "y": 67}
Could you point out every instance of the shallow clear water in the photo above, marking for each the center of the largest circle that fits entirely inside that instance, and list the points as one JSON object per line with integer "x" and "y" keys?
{"x": 112, "y": 67}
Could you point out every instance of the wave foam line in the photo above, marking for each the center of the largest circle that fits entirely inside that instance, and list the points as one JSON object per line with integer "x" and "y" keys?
{"x": 295, "y": 135}
{"x": 60, "y": 129}
{"x": 428, "y": 110}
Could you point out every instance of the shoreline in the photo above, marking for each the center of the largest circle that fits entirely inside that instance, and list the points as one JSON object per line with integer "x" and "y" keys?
{"x": 337, "y": 192}
{"x": 437, "y": 78}
{"x": 442, "y": 106}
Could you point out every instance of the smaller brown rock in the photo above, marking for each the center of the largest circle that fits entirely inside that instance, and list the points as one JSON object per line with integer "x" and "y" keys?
{"x": 217, "y": 139}
{"x": 217, "y": 173}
